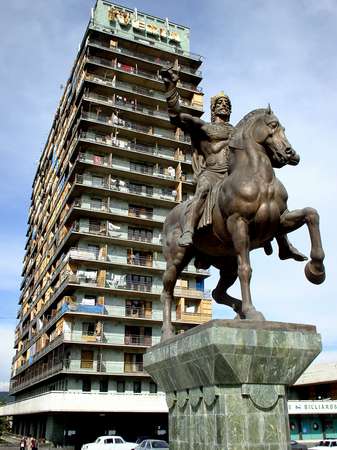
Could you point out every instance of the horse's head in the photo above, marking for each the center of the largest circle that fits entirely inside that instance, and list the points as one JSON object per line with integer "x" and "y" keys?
{"x": 263, "y": 128}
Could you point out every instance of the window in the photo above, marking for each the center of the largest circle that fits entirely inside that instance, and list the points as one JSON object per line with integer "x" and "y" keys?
{"x": 138, "y": 308}
{"x": 153, "y": 388}
{"x": 88, "y": 328}
{"x": 137, "y": 387}
{"x": 139, "y": 282}
{"x": 118, "y": 441}
{"x": 87, "y": 359}
{"x": 86, "y": 385}
{"x": 140, "y": 234}
{"x": 97, "y": 181}
{"x": 121, "y": 386}
{"x": 141, "y": 167}
{"x": 190, "y": 307}
{"x": 93, "y": 250}
{"x": 96, "y": 203}
{"x": 141, "y": 189}
{"x": 94, "y": 226}
{"x": 103, "y": 385}
{"x": 139, "y": 258}
{"x": 140, "y": 211}
{"x": 199, "y": 284}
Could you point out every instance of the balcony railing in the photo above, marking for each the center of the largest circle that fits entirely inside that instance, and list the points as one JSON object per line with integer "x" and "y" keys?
{"x": 193, "y": 316}
{"x": 135, "y": 71}
{"x": 137, "y": 89}
{"x": 134, "y": 339}
{"x": 113, "y": 120}
{"x": 121, "y": 186}
{"x": 162, "y": 152}
{"x": 144, "y": 170}
{"x": 144, "y": 56}
{"x": 135, "y": 212}
{"x": 138, "y": 312}
{"x": 37, "y": 373}
{"x": 137, "y": 107}
{"x": 133, "y": 367}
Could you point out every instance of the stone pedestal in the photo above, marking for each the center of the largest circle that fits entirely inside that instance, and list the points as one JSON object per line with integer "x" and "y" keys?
{"x": 225, "y": 382}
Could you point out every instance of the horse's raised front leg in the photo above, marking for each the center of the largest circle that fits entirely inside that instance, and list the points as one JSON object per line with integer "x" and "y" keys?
{"x": 292, "y": 220}
{"x": 238, "y": 229}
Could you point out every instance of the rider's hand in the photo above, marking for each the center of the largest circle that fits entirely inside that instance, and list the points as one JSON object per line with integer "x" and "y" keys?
{"x": 170, "y": 76}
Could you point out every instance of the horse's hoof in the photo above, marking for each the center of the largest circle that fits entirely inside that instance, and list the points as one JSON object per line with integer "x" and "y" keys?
{"x": 313, "y": 275}
{"x": 252, "y": 314}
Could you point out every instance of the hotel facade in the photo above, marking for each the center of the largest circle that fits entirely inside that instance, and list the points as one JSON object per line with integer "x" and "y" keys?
{"x": 111, "y": 170}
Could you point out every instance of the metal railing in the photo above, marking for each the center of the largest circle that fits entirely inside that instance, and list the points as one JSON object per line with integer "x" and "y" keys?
{"x": 137, "y": 107}
{"x": 144, "y": 56}
{"x": 135, "y": 339}
{"x": 162, "y": 152}
{"x": 137, "y": 89}
{"x": 133, "y": 367}
{"x": 118, "y": 186}
{"x": 138, "y": 312}
{"x": 113, "y": 120}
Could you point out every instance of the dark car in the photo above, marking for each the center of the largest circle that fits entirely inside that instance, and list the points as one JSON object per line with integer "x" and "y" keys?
{"x": 296, "y": 445}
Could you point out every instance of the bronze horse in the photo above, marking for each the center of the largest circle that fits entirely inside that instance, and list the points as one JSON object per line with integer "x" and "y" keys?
{"x": 250, "y": 210}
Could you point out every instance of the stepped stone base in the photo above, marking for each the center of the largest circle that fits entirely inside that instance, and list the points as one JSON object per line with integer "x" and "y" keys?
{"x": 225, "y": 382}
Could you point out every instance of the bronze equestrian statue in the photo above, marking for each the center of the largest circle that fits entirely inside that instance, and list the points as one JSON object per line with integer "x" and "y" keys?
{"x": 239, "y": 204}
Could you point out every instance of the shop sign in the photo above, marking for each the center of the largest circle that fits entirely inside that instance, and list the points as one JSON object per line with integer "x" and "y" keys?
{"x": 312, "y": 407}
{"x": 126, "y": 18}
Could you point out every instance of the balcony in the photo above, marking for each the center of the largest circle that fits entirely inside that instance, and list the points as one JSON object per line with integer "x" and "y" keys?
{"x": 128, "y": 146}
{"x": 138, "y": 213}
{"x": 146, "y": 57}
{"x": 118, "y": 122}
{"x": 139, "y": 90}
{"x": 146, "y": 173}
{"x": 131, "y": 38}
{"x": 134, "y": 70}
{"x": 133, "y": 367}
{"x": 124, "y": 188}
{"x": 193, "y": 317}
{"x": 127, "y": 105}
{"x": 139, "y": 340}
{"x": 138, "y": 312}
{"x": 37, "y": 373}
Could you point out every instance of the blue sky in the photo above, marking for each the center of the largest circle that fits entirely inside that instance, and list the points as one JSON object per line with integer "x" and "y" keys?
{"x": 258, "y": 52}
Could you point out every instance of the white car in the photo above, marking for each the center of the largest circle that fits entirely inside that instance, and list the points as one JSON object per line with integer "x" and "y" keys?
{"x": 109, "y": 443}
{"x": 325, "y": 444}
{"x": 151, "y": 444}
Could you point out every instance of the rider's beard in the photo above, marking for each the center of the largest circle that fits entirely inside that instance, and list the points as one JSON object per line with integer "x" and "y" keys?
{"x": 223, "y": 113}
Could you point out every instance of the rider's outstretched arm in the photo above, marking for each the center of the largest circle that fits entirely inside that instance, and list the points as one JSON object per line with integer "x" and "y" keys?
{"x": 186, "y": 122}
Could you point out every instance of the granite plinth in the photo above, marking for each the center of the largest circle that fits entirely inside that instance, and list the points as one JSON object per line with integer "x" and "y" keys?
{"x": 225, "y": 382}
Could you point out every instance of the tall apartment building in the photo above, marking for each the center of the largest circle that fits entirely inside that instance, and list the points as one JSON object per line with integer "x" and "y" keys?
{"x": 111, "y": 170}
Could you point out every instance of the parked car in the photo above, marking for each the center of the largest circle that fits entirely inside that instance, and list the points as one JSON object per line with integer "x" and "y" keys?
{"x": 109, "y": 443}
{"x": 140, "y": 439}
{"x": 150, "y": 444}
{"x": 296, "y": 445}
{"x": 324, "y": 444}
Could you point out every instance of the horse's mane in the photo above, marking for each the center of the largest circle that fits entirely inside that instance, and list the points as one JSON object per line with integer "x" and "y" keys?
{"x": 237, "y": 138}
{"x": 249, "y": 117}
